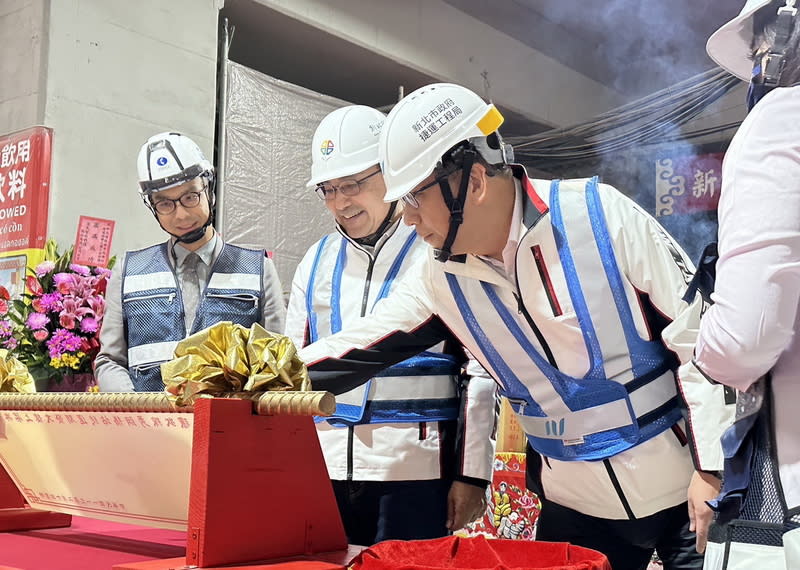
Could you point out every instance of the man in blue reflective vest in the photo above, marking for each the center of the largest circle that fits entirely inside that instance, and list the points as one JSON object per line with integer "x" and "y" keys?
{"x": 410, "y": 452}
{"x": 570, "y": 296}
{"x": 161, "y": 294}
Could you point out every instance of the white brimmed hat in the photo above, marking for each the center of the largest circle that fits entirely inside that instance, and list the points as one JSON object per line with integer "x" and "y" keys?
{"x": 731, "y": 45}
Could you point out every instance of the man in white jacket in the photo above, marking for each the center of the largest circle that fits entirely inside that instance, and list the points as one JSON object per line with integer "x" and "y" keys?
{"x": 570, "y": 296}
{"x": 751, "y": 330}
{"x": 410, "y": 452}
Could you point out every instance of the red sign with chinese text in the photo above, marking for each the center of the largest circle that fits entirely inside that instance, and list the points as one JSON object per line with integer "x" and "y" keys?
{"x": 24, "y": 188}
{"x": 687, "y": 184}
{"x": 93, "y": 242}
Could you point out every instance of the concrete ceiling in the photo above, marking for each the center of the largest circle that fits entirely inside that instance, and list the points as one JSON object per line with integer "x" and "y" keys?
{"x": 636, "y": 47}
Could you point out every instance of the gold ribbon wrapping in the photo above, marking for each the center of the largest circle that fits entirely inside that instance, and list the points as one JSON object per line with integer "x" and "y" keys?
{"x": 226, "y": 358}
{"x": 14, "y": 376}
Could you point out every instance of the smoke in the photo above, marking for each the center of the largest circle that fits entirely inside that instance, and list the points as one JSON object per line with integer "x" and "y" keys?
{"x": 635, "y": 46}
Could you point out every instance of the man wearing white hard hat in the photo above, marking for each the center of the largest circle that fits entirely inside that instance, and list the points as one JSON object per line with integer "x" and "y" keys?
{"x": 410, "y": 452}
{"x": 161, "y": 294}
{"x": 748, "y": 339}
{"x": 570, "y": 296}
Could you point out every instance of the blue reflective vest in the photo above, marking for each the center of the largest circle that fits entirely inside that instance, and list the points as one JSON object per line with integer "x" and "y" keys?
{"x": 420, "y": 389}
{"x": 153, "y": 312}
{"x": 593, "y": 417}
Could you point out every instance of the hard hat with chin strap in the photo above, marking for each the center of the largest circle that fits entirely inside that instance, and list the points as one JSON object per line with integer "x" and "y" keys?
{"x": 345, "y": 143}
{"x": 169, "y": 159}
{"x": 424, "y": 130}
{"x": 425, "y": 125}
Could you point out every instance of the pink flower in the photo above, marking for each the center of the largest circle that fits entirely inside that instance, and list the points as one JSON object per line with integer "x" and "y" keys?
{"x": 36, "y": 303}
{"x": 41, "y": 335}
{"x": 97, "y": 305}
{"x": 64, "y": 282}
{"x": 11, "y": 343}
{"x": 37, "y": 321}
{"x": 89, "y": 325}
{"x": 44, "y": 268}
{"x": 102, "y": 272}
{"x": 67, "y": 321}
{"x": 3, "y": 307}
{"x": 80, "y": 269}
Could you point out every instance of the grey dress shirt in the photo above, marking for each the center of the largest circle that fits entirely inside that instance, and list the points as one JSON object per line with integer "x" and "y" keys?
{"x": 111, "y": 364}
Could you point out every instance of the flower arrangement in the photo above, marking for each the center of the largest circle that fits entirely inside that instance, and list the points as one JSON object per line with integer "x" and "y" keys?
{"x": 54, "y": 328}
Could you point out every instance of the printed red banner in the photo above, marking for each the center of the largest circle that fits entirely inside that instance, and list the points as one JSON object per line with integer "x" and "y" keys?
{"x": 24, "y": 188}
{"x": 93, "y": 242}
{"x": 686, "y": 184}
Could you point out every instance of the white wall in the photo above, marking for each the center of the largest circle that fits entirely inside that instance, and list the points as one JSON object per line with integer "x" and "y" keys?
{"x": 117, "y": 72}
{"x": 440, "y": 40}
{"x": 22, "y": 24}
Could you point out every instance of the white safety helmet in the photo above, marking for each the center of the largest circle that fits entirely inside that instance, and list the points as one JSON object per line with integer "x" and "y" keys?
{"x": 731, "y": 46}
{"x": 169, "y": 159}
{"x": 425, "y": 125}
{"x": 345, "y": 143}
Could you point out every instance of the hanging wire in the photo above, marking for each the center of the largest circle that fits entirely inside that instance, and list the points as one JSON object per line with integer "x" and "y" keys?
{"x": 655, "y": 118}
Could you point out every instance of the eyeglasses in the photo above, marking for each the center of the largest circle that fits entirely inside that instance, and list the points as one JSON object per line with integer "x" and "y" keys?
{"x": 347, "y": 188}
{"x": 411, "y": 197}
{"x": 166, "y": 206}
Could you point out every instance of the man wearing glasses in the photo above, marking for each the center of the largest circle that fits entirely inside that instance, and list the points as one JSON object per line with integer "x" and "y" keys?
{"x": 161, "y": 294}
{"x": 570, "y": 296}
{"x": 409, "y": 452}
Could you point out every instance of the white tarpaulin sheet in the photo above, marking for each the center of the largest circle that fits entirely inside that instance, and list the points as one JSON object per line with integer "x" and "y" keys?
{"x": 268, "y": 129}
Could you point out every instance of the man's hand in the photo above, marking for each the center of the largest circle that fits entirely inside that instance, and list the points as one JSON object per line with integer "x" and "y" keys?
{"x": 703, "y": 487}
{"x": 465, "y": 503}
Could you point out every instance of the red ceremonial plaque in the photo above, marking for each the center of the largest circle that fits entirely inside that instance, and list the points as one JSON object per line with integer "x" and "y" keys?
{"x": 93, "y": 242}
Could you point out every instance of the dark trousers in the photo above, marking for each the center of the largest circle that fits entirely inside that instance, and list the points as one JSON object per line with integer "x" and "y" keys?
{"x": 373, "y": 511}
{"x": 628, "y": 544}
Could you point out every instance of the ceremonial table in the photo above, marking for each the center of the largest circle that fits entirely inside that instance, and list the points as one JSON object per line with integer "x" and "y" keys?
{"x": 238, "y": 481}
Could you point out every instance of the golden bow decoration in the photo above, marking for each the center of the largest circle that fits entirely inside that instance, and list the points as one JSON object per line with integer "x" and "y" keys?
{"x": 226, "y": 357}
{"x": 14, "y": 375}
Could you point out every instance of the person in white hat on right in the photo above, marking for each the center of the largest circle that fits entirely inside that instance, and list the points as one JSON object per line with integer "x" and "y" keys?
{"x": 748, "y": 339}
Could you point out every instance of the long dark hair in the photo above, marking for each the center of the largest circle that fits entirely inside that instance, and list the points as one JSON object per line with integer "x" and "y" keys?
{"x": 764, "y": 36}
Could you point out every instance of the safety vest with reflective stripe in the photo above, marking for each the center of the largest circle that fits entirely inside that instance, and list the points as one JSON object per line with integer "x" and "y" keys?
{"x": 153, "y": 310}
{"x": 420, "y": 389}
{"x": 593, "y": 417}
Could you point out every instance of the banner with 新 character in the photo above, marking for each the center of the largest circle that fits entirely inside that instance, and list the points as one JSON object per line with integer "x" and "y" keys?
{"x": 687, "y": 184}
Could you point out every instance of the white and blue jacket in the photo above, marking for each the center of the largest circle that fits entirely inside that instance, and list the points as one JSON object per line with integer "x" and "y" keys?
{"x": 586, "y": 334}
{"x": 153, "y": 312}
{"x": 407, "y": 421}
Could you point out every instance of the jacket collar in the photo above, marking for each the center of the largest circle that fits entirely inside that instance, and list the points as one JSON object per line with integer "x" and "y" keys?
{"x": 533, "y": 207}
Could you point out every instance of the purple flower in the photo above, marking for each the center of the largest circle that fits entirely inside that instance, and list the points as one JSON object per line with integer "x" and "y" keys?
{"x": 80, "y": 269}
{"x": 63, "y": 341}
{"x": 51, "y": 301}
{"x": 89, "y": 325}
{"x": 37, "y": 321}
{"x": 11, "y": 343}
{"x": 102, "y": 272}
{"x": 5, "y": 328}
{"x": 44, "y": 268}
